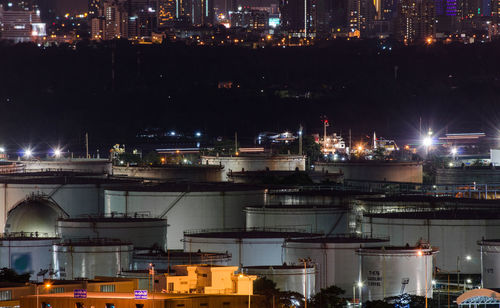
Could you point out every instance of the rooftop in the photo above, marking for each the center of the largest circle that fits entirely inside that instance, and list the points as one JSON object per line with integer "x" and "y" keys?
{"x": 192, "y": 187}
{"x": 444, "y": 214}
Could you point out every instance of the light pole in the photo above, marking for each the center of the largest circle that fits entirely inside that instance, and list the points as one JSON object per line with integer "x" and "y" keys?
{"x": 47, "y": 285}
{"x": 305, "y": 261}
{"x": 249, "y": 282}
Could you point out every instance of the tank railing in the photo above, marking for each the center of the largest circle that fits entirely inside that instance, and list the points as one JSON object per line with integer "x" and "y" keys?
{"x": 25, "y": 235}
{"x": 360, "y": 235}
{"x": 468, "y": 190}
{"x": 256, "y": 229}
{"x": 93, "y": 240}
{"x": 140, "y": 214}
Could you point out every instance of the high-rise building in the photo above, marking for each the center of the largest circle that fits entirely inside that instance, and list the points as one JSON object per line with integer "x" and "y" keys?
{"x": 416, "y": 20}
{"x": 142, "y": 17}
{"x": 111, "y": 20}
{"x": 202, "y": 12}
{"x": 21, "y": 25}
{"x": 297, "y": 17}
{"x": 361, "y": 14}
{"x": 167, "y": 13}
{"x": 252, "y": 19}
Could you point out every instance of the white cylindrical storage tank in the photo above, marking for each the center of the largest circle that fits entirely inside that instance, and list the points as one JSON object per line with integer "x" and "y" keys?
{"x": 25, "y": 253}
{"x": 141, "y": 232}
{"x": 76, "y": 195}
{"x": 388, "y": 271}
{"x": 248, "y": 248}
{"x": 490, "y": 252}
{"x": 187, "y": 206}
{"x": 334, "y": 257}
{"x": 313, "y": 218}
{"x": 163, "y": 261}
{"x": 87, "y": 259}
{"x": 454, "y": 232}
{"x": 294, "y": 278}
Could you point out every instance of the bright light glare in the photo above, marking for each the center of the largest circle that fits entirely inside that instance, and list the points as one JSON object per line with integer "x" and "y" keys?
{"x": 469, "y": 281}
{"x": 198, "y": 134}
{"x": 420, "y": 253}
{"x": 2, "y": 150}
{"x": 433, "y": 282}
{"x": 468, "y": 258}
{"x": 172, "y": 133}
{"x": 360, "y": 284}
{"x": 454, "y": 151}
{"x": 57, "y": 152}
{"x": 427, "y": 141}
{"x": 28, "y": 153}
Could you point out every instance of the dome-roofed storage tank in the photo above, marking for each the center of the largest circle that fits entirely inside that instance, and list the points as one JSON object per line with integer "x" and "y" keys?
{"x": 36, "y": 214}
{"x": 27, "y": 253}
{"x": 490, "y": 254}
{"x": 334, "y": 257}
{"x": 90, "y": 258}
{"x": 314, "y": 218}
{"x": 248, "y": 248}
{"x": 142, "y": 232}
{"x": 294, "y": 278}
{"x": 390, "y": 271}
{"x": 187, "y": 205}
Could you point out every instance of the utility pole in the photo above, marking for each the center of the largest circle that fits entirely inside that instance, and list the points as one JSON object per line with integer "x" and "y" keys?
{"x": 236, "y": 143}
{"x": 87, "y": 145}
{"x": 300, "y": 140}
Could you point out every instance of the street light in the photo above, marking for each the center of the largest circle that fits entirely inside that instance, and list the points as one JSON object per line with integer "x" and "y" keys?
{"x": 305, "y": 261}
{"x": 28, "y": 153}
{"x": 46, "y": 285}
{"x": 249, "y": 281}
{"x": 57, "y": 152}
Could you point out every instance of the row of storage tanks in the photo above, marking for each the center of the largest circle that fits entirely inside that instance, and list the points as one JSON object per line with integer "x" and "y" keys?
{"x": 291, "y": 226}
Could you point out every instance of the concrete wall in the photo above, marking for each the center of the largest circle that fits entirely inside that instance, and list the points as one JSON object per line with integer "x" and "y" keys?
{"x": 256, "y": 163}
{"x": 467, "y": 176}
{"x": 407, "y": 172}
{"x": 185, "y": 173}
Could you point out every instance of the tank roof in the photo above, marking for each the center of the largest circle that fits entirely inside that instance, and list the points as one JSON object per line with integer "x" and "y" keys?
{"x": 489, "y": 242}
{"x": 26, "y": 236}
{"x": 242, "y": 233}
{"x": 452, "y": 214}
{"x": 398, "y": 250}
{"x": 192, "y": 187}
{"x": 341, "y": 239}
{"x": 60, "y": 177}
{"x": 112, "y": 219}
{"x": 278, "y": 267}
{"x": 180, "y": 254}
{"x": 428, "y": 199}
{"x": 295, "y": 206}
{"x": 93, "y": 242}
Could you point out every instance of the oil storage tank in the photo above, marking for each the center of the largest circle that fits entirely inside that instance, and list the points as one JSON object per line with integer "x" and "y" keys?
{"x": 90, "y": 258}
{"x": 391, "y": 271}
{"x": 294, "y": 278}
{"x": 74, "y": 193}
{"x": 248, "y": 248}
{"x": 454, "y": 231}
{"x": 164, "y": 260}
{"x": 334, "y": 257}
{"x": 26, "y": 253}
{"x": 36, "y": 215}
{"x": 490, "y": 254}
{"x": 314, "y": 218}
{"x": 187, "y": 205}
{"x": 255, "y": 162}
{"x": 142, "y": 232}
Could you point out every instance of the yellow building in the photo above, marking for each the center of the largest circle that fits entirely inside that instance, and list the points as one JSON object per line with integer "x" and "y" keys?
{"x": 127, "y": 300}
{"x": 11, "y": 293}
{"x": 207, "y": 279}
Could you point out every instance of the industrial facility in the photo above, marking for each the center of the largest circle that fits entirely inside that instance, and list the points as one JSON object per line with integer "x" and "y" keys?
{"x": 369, "y": 239}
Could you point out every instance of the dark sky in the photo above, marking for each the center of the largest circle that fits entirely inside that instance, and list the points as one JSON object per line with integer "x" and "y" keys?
{"x": 71, "y": 6}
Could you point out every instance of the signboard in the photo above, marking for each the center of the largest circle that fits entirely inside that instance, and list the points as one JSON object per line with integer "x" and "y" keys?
{"x": 141, "y": 294}
{"x": 80, "y": 293}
